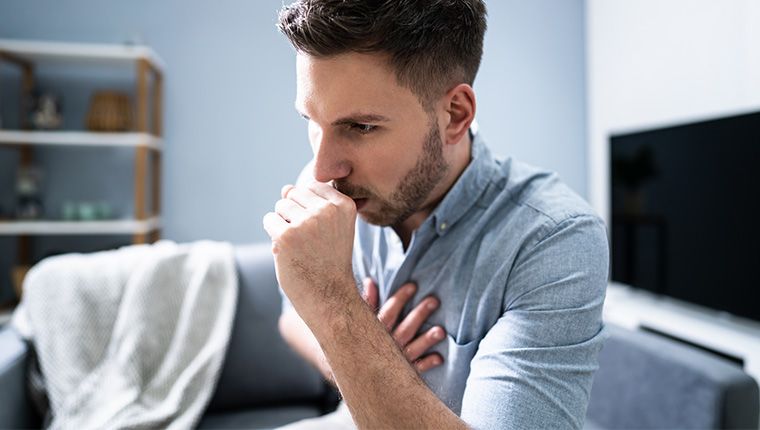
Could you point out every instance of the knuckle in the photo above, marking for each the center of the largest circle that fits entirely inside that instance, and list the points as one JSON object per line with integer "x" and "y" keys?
{"x": 322, "y": 206}
{"x": 403, "y": 338}
{"x": 328, "y": 208}
{"x": 392, "y": 302}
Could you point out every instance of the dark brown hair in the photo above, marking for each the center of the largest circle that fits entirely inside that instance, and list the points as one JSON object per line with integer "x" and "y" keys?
{"x": 432, "y": 45}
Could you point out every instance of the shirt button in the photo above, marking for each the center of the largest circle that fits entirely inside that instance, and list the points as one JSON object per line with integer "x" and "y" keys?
{"x": 443, "y": 226}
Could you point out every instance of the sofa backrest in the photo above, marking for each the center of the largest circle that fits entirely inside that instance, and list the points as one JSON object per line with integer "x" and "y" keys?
{"x": 260, "y": 368}
{"x": 648, "y": 381}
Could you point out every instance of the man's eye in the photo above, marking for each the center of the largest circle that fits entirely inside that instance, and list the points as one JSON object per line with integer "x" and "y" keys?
{"x": 362, "y": 128}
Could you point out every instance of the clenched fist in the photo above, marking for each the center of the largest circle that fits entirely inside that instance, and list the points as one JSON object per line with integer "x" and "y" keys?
{"x": 312, "y": 232}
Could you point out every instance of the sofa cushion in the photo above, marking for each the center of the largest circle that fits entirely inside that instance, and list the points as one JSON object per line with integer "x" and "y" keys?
{"x": 260, "y": 369}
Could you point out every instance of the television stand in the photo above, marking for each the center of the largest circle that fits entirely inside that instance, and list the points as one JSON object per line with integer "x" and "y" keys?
{"x": 720, "y": 332}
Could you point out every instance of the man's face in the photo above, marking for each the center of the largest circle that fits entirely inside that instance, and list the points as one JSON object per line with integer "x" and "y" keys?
{"x": 372, "y": 139}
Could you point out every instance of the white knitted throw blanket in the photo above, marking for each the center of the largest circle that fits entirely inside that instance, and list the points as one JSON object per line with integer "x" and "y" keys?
{"x": 131, "y": 338}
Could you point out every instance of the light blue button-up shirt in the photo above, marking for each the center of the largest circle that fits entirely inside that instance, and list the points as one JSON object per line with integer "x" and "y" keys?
{"x": 519, "y": 263}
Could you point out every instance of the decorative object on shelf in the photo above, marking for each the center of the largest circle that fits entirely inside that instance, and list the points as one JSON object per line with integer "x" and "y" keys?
{"x": 103, "y": 210}
{"x": 109, "y": 111}
{"x": 46, "y": 111}
{"x": 69, "y": 211}
{"x": 86, "y": 211}
{"x": 28, "y": 193}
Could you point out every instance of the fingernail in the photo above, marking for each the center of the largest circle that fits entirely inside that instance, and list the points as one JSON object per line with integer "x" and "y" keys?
{"x": 432, "y": 304}
{"x": 438, "y": 333}
{"x": 410, "y": 289}
{"x": 436, "y": 361}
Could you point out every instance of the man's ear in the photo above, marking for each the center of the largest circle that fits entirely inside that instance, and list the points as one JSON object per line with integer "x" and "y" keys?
{"x": 460, "y": 109}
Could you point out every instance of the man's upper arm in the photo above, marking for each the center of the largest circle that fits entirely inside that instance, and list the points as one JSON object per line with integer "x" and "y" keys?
{"x": 534, "y": 368}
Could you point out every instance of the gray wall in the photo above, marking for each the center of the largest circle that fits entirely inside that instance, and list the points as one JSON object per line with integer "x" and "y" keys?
{"x": 232, "y": 136}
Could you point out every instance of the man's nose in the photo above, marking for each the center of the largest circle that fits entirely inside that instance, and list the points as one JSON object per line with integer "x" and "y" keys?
{"x": 330, "y": 162}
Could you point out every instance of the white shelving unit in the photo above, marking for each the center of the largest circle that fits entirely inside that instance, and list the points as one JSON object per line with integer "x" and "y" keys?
{"x": 144, "y": 139}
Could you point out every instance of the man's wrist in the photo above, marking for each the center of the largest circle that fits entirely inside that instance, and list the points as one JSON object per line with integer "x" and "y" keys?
{"x": 327, "y": 310}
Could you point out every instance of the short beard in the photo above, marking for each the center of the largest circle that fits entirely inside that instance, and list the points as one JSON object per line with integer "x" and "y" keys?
{"x": 415, "y": 187}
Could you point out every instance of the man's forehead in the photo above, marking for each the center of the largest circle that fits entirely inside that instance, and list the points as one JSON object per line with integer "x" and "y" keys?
{"x": 347, "y": 84}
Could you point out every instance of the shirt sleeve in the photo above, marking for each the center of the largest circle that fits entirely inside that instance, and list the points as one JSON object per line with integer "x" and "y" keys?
{"x": 534, "y": 367}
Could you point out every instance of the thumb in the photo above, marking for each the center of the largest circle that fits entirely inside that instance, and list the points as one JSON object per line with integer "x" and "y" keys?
{"x": 370, "y": 293}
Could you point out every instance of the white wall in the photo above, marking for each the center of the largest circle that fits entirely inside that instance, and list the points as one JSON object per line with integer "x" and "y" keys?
{"x": 659, "y": 62}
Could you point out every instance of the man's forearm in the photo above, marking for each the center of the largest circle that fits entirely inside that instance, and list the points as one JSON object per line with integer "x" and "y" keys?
{"x": 297, "y": 334}
{"x": 381, "y": 388}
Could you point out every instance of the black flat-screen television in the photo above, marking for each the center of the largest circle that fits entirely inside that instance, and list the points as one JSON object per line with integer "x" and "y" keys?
{"x": 685, "y": 212}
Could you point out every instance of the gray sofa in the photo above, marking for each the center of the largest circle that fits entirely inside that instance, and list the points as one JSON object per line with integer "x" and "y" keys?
{"x": 644, "y": 381}
{"x": 263, "y": 383}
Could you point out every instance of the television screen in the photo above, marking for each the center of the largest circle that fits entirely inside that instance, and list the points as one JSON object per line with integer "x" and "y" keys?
{"x": 685, "y": 212}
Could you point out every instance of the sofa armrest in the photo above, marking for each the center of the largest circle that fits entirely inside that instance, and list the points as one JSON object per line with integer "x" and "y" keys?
{"x": 648, "y": 381}
{"x": 15, "y": 408}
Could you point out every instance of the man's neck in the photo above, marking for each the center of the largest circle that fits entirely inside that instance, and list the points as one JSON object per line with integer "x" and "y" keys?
{"x": 405, "y": 228}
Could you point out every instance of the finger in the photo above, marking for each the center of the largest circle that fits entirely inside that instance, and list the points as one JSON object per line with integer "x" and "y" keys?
{"x": 370, "y": 293}
{"x": 390, "y": 311}
{"x": 285, "y": 190}
{"x": 327, "y": 191}
{"x": 424, "y": 364}
{"x": 411, "y": 324}
{"x": 274, "y": 224}
{"x": 290, "y": 211}
{"x": 422, "y": 343}
{"x": 306, "y": 197}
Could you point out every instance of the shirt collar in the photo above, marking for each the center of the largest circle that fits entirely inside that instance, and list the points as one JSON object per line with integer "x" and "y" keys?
{"x": 468, "y": 188}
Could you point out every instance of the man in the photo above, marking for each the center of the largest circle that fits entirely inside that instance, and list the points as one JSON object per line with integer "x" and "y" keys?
{"x": 514, "y": 262}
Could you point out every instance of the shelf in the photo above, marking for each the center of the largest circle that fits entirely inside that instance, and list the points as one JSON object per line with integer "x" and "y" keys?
{"x": 37, "y": 51}
{"x": 79, "y": 138}
{"x": 116, "y": 227}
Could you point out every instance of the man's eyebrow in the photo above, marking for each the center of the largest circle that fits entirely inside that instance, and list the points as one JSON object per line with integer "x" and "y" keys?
{"x": 360, "y": 118}
{"x": 355, "y": 118}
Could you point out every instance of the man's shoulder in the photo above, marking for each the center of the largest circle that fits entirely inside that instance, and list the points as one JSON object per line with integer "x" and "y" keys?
{"x": 537, "y": 201}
